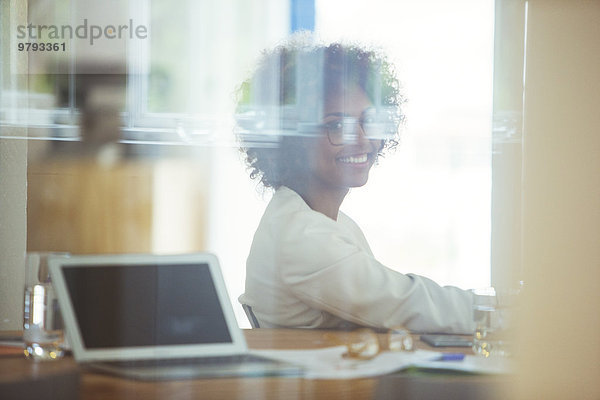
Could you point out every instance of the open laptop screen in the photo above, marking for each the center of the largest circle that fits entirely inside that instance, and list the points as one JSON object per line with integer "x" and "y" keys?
{"x": 147, "y": 305}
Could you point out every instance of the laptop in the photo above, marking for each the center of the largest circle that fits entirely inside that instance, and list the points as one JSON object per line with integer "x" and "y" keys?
{"x": 154, "y": 317}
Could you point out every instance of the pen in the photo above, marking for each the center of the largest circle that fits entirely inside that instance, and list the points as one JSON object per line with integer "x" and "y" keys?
{"x": 450, "y": 357}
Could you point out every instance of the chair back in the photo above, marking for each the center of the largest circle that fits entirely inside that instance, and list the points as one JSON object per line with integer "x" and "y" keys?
{"x": 251, "y": 317}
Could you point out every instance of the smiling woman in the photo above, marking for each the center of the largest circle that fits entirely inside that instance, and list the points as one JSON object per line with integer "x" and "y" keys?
{"x": 314, "y": 119}
{"x": 333, "y": 110}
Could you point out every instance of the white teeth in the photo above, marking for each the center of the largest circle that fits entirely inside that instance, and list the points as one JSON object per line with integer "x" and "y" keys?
{"x": 354, "y": 159}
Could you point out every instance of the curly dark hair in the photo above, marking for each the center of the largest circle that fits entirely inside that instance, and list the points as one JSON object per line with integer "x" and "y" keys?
{"x": 290, "y": 86}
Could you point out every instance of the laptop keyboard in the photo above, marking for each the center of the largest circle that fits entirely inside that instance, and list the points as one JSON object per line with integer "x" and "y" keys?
{"x": 203, "y": 361}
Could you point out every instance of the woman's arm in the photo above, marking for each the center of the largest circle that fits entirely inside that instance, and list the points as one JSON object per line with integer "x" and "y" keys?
{"x": 328, "y": 270}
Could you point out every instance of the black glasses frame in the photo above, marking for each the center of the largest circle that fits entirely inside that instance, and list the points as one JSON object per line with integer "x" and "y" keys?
{"x": 345, "y": 129}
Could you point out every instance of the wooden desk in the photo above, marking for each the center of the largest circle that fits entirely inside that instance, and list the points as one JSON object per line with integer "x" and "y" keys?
{"x": 101, "y": 387}
{"x": 94, "y": 386}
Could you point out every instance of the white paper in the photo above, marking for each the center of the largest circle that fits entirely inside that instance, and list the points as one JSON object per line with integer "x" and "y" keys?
{"x": 328, "y": 363}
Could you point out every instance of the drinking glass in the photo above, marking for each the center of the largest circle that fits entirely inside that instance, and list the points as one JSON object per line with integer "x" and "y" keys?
{"x": 494, "y": 316}
{"x": 42, "y": 321}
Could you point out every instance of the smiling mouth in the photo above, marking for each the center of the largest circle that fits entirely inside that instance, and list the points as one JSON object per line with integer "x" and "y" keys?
{"x": 355, "y": 159}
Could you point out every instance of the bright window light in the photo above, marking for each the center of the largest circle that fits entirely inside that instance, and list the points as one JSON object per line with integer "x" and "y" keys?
{"x": 426, "y": 208}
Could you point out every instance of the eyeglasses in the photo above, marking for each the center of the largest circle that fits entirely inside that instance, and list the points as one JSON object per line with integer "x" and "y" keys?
{"x": 365, "y": 344}
{"x": 376, "y": 125}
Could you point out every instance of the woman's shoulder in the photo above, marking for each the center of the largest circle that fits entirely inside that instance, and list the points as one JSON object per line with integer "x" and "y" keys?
{"x": 287, "y": 212}
{"x": 286, "y": 204}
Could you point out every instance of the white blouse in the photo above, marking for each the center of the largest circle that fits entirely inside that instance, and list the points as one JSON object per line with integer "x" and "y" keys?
{"x": 306, "y": 270}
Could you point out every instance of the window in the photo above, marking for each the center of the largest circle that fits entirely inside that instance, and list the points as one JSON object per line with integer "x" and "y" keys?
{"x": 427, "y": 208}
{"x": 177, "y": 83}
